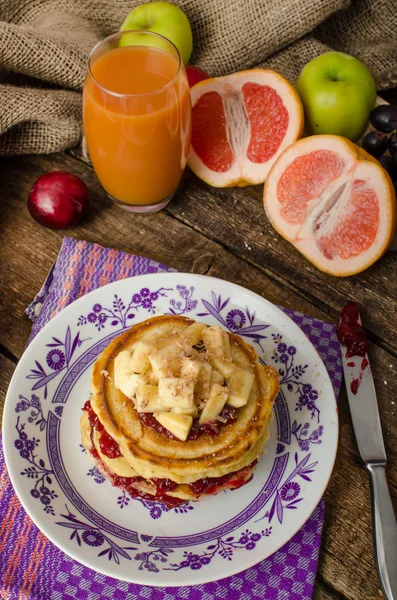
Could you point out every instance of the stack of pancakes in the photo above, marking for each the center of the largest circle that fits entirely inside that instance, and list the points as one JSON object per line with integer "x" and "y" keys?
{"x": 150, "y": 461}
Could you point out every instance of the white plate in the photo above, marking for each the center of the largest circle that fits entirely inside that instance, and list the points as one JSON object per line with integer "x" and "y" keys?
{"x": 143, "y": 542}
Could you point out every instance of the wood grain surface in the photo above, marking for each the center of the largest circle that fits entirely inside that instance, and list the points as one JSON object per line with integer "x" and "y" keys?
{"x": 223, "y": 233}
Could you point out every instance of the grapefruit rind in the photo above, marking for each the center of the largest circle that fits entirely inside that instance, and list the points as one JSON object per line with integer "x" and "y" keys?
{"x": 359, "y": 167}
{"x": 243, "y": 171}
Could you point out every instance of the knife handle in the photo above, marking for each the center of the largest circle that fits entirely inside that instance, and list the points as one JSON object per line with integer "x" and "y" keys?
{"x": 385, "y": 530}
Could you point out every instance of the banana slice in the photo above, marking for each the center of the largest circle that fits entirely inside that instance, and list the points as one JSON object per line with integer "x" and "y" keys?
{"x": 147, "y": 399}
{"x": 217, "y": 342}
{"x": 192, "y": 411}
{"x": 190, "y": 369}
{"x": 202, "y": 387}
{"x": 178, "y": 425}
{"x": 192, "y": 335}
{"x": 140, "y": 362}
{"x": 166, "y": 362}
{"x": 239, "y": 386}
{"x": 214, "y": 404}
{"x": 176, "y": 392}
{"x": 224, "y": 366}
{"x": 217, "y": 377}
{"x": 213, "y": 341}
{"x": 125, "y": 379}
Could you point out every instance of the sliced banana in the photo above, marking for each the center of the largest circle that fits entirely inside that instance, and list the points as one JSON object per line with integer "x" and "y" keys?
{"x": 147, "y": 399}
{"x": 224, "y": 366}
{"x": 217, "y": 377}
{"x": 176, "y": 392}
{"x": 125, "y": 379}
{"x": 192, "y": 411}
{"x": 214, "y": 404}
{"x": 192, "y": 335}
{"x": 217, "y": 342}
{"x": 166, "y": 362}
{"x": 178, "y": 425}
{"x": 166, "y": 376}
{"x": 202, "y": 387}
{"x": 239, "y": 386}
{"x": 140, "y": 362}
{"x": 190, "y": 369}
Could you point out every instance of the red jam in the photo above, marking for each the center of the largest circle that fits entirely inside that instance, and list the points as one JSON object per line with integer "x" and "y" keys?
{"x": 351, "y": 333}
{"x": 197, "y": 430}
{"x": 355, "y": 384}
{"x": 109, "y": 446}
{"x": 94, "y": 453}
{"x": 163, "y": 486}
{"x": 227, "y": 414}
{"x": 124, "y": 482}
{"x": 364, "y": 364}
{"x": 211, "y": 485}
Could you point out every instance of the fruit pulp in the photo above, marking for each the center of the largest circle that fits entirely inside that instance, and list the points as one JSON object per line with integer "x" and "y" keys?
{"x": 137, "y": 115}
{"x": 348, "y": 211}
{"x": 333, "y": 202}
{"x": 109, "y": 446}
{"x": 241, "y": 124}
{"x": 256, "y": 115}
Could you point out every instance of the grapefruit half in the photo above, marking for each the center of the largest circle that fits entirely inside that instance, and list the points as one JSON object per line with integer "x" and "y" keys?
{"x": 333, "y": 202}
{"x": 240, "y": 124}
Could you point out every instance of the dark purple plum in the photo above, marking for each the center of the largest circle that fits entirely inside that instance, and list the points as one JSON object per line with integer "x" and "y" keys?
{"x": 376, "y": 143}
{"x": 384, "y": 118}
{"x": 387, "y": 163}
{"x": 393, "y": 144}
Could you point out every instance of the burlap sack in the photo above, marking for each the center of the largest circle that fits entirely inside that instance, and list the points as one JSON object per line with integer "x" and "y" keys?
{"x": 44, "y": 46}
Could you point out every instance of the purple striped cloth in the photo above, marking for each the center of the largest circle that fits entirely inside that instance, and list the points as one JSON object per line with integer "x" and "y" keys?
{"x": 31, "y": 567}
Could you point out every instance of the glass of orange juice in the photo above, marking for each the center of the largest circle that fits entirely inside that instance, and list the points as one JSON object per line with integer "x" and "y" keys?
{"x": 137, "y": 118}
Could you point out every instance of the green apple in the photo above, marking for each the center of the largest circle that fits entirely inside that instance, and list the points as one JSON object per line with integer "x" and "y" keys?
{"x": 163, "y": 18}
{"x": 338, "y": 93}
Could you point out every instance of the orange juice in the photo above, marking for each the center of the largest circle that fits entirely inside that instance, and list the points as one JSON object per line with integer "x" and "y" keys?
{"x": 136, "y": 111}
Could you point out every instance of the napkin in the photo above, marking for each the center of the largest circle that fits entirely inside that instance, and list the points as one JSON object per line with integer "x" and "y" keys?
{"x": 31, "y": 567}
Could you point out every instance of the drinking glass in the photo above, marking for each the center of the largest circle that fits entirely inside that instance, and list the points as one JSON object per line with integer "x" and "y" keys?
{"x": 137, "y": 118}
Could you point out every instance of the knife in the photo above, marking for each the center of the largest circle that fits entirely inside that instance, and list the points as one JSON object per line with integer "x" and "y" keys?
{"x": 367, "y": 428}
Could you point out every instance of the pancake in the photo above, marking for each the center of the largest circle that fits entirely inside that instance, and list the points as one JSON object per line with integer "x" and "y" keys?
{"x": 192, "y": 419}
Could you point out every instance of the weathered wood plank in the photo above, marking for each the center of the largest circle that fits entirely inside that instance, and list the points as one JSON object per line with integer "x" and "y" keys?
{"x": 323, "y": 591}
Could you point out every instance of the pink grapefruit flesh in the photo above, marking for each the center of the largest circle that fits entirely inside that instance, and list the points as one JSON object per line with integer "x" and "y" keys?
{"x": 335, "y": 206}
{"x": 268, "y": 118}
{"x": 241, "y": 124}
{"x": 357, "y": 229}
{"x": 214, "y": 150}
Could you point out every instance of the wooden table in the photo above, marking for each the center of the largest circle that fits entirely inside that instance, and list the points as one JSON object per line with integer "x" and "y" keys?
{"x": 223, "y": 233}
